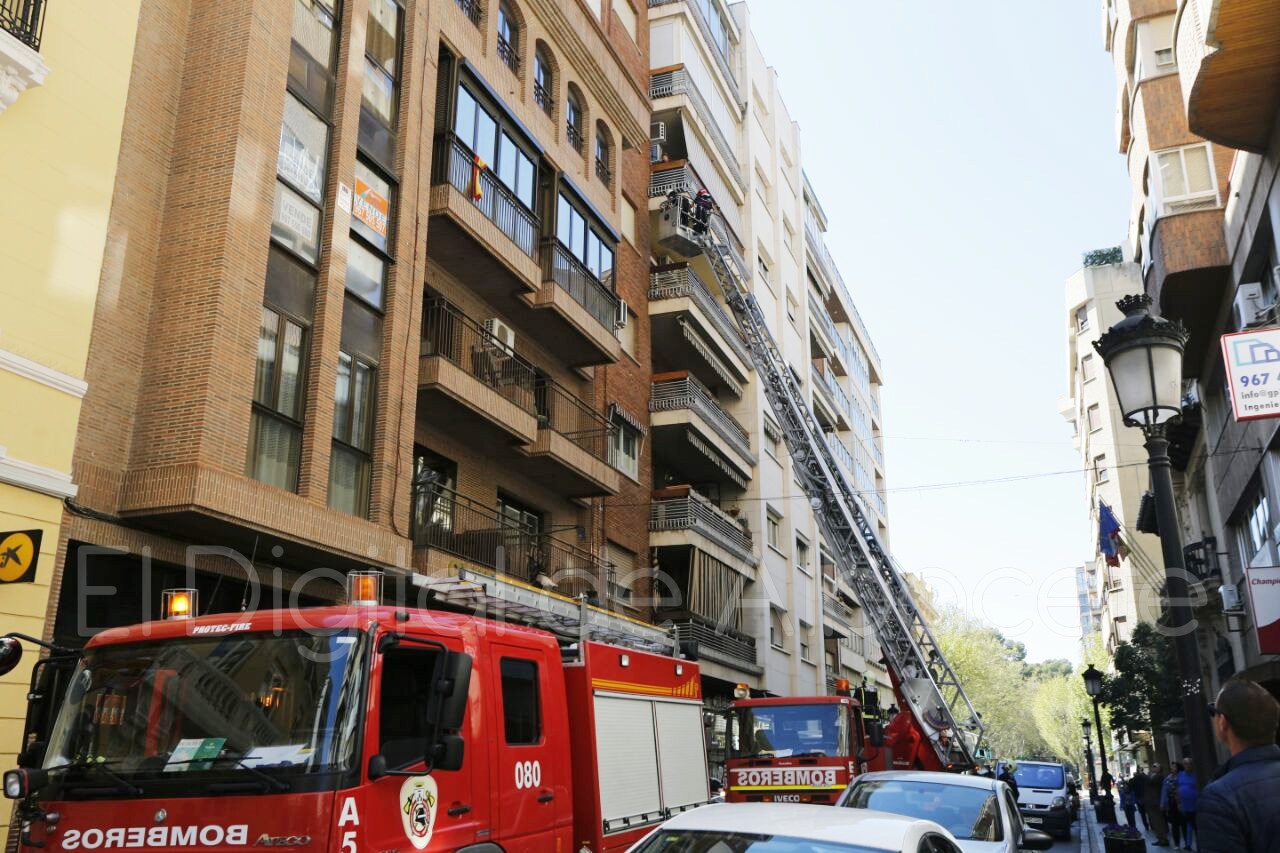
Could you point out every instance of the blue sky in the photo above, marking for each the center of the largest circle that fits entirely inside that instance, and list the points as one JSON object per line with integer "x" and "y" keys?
{"x": 965, "y": 155}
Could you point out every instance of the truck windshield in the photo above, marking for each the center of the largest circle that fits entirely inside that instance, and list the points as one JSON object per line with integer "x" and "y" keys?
{"x": 174, "y": 713}
{"x": 779, "y": 731}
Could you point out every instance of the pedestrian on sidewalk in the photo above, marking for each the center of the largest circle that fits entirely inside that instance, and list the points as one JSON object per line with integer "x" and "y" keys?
{"x": 1138, "y": 784}
{"x": 1129, "y": 802}
{"x": 1188, "y": 795}
{"x": 1237, "y": 812}
{"x": 1169, "y": 805}
{"x": 1151, "y": 800}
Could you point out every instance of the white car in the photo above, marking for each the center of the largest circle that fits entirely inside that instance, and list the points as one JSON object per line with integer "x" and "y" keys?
{"x": 788, "y": 828}
{"x": 979, "y": 812}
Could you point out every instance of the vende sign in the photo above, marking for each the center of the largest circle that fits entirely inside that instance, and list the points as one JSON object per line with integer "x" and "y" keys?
{"x": 1252, "y": 360}
{"x": 1264, "y": 592}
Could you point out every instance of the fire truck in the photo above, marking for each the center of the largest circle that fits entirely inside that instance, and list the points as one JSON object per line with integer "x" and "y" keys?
{"x": 807, "y": 749}
{"x": 357, "y": 728}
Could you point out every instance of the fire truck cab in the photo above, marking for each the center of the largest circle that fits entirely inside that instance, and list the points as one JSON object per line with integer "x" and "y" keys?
{"x": 797, "y": 749}
{"x": 359, "y": 728}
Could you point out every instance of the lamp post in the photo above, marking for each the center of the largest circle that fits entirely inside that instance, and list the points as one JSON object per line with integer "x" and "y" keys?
{"x": 1143, "y": 354}
{"x": 1106, "y": 803}
{"x": 1085, "y": 726}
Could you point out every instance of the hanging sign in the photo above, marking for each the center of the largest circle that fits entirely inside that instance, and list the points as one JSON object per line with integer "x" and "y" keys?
{"x": 19, "y": 552}
{"x": 1264, "y": 593}
{"x": 1252, "y": 360}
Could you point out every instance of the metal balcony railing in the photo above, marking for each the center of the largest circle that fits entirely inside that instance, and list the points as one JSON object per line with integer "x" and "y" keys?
{"x": 507, "y": 53}
{"x": 682, "y": 281}
{"x": 24, "y": 20}
{"x": 456, "y": 164}
{"x": 818, "y": 245}
{"x": 450, "y": 334}
{"x": 842, "y": 347}
{"x": 710, "y": 641}
{"x": 827, "y": 382}
{"x": 837, "y": 609}
{"x": 573, "y": 134}
{"x": 444, "y": 519}
{"x": 473, "y": 9}
{"x": 667, "y": 84}
{"x": 561, "y": 410}
{"x": 542, "y": 98}
{"x": 684, "y": 391}
{"x": 682, "y": 508}
{"x": 713, "y": 45}
{"x": 560, "y": 266}
{"x": 855, "y": 643}
{"x": 842, "y": 454}
{"x": 679, "y": 176}
{"x": 603, "y": 173}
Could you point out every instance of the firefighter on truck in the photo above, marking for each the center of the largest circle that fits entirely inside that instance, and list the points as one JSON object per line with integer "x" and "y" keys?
{"x": 352, "y": 728}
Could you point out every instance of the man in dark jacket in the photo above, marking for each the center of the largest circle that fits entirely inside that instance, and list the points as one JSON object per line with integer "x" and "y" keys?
{"x": 1138, "y": 784}
{"x": 1237, "y": 811}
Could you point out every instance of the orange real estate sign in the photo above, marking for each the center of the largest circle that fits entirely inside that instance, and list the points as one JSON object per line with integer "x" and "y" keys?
{"x": 370, "y": 207}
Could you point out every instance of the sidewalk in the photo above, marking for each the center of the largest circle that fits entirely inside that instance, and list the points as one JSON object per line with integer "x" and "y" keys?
{"x": 1091, "y": 832}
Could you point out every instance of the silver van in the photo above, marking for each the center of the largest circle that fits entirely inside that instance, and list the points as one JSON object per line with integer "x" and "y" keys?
{"x": 1044, "y": 796}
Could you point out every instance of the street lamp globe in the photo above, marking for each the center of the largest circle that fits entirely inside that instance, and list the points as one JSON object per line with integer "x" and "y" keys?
{"x": 1143, "y": 354}
{"x": 1092, "y": 684}
{"x": 1086, "y": 727}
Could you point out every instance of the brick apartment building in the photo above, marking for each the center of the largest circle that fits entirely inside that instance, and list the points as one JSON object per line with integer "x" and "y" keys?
{"x": 365, "y": 302}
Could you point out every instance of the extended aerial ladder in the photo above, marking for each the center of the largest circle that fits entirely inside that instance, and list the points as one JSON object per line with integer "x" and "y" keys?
{"x": 941, "y": 715}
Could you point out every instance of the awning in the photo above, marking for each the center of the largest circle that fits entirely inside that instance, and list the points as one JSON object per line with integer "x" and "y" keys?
{"x": 705, "y": 350}
{"x": 716, "y": 457}
{"x": 628, "y": 418}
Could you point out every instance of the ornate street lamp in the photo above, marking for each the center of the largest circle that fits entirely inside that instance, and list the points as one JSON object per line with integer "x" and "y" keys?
{"x": 1086, "y": 727}
{"x": 1143, "y": 354}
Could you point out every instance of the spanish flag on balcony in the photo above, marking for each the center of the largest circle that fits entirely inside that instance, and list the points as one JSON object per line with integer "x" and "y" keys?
{"x": 477, "y": 169}
{"x": 1110, "y": 545}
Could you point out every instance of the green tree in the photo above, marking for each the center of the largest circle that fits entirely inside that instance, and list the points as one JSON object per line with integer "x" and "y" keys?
{"x": 1142, "y": 694}
{"x": 1059, "y": 704}
{"x": 1047, "y": 669}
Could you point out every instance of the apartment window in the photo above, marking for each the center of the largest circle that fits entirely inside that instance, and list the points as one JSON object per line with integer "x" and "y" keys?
{"x": 371, "y": 206}
{"x": 521, "y": 708}
{"x": 792, "y": 306}
{"x": 802, "y": 556}
{"x": 1095, "y": 418}
{"x": 603, "y": 158}
{"x": 543, "y": 80}
{"x": 1082, "y": 318}
{"x": 777, "y": 629}
{"x": 628, "y": 215}
{"x": 627, "y": 14}
{"x": 1186, "y": 179}
{"x": 763, "y": 266}
{"x": 350, "y": 466}
{"x": 1100, "y": 472}
{"x": 624, "y": 447}
{"x": 366, "y": 274}
{"x": 435, "y": 479}
{"x": 1258, "y": 528}
{"x": 806, "y": 642}
{"x": 773, "y": 528}
{"x": 380, "y": 86}
{"x": 313, "y": 52}
{"x": 276, "y": 441}
{"x": 508, "y": 37}
{"x": 573, "y": 119}
{"x": 584, "y": 236}
{"x": 516, "y": 515}
{"x": 1087, "y": 368}
{"x": 498, "y": 144}
{"x": 622, "y": 572}
{"x": 304, "y": 143}
{"x": 773, "y": 437}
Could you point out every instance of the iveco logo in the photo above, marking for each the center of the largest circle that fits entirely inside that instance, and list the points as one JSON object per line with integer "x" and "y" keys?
{"x": 161, "y": 814}
{"x": 265, "y": 840}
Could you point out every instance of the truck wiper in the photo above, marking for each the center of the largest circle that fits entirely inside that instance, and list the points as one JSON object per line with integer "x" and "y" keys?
{"x": 239, "y": 759}
{"x": 122, "y": 784}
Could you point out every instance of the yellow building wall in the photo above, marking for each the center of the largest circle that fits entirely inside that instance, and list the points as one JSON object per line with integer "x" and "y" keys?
{"x": 59, "y": 144}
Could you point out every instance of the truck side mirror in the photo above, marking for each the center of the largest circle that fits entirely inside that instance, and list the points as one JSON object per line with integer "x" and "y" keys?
{"x": 875, "y": 733}
{"x": 10, "y": 654}
{"x": 33, "y": 755}
{"x": 456, "y": 680}
{"x": 449, "y": 753}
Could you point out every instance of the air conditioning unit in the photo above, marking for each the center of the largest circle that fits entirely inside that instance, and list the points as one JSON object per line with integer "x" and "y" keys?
{"x": 621, "y": 315}
{"x": 1164, "y": 57}
{"x": 500, "y": 334}
{"x": 1230, "y": 598}
{"x": 1247, "y": 304}
{"x": 658, "y": 131}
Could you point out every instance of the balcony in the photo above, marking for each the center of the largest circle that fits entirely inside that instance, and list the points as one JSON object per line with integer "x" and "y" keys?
{"x": 1189, "y": 274}
{"x": 574, "y": 314}
{"x": 854, "y": 644}
{"x": 679, "y": 176}
{"x": 720, "y": 645}
{"x": 715, "y": 46}
{"x": 828, "y": 337}
{"x": 458, "y": 527}
{"x": 471, "y": 383}
{"x": 480, "y": 232}
{"x": 573, "y": 135}
{"x": 1230, "y": 69}
{"x": 838, "y": 614}
{"x": 679, "y": 515}
{"x": 543, "y": 99}
{"x": 843, "y": 457}
{"x": 824, "y": 379}
{"x": 690, "y": 329}
{"x": 839, "y": 301}
{"x": 570, "y": 454}
{"x": 694, "y": 434}
{"x": 675, "y": 82}
{"x": 21, "y": 68}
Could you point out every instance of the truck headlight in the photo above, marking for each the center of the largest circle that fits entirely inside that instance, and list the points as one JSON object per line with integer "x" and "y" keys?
{"x": 1059, "y": 802}
{"x": 15, "y": 784}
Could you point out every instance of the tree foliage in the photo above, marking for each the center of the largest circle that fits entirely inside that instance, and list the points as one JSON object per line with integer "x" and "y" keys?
{"x": 1142, "y": 694}
{"x": 1059, "y": 705}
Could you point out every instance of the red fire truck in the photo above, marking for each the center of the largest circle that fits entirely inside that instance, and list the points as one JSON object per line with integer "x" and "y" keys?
{"x": 359, "y": 728}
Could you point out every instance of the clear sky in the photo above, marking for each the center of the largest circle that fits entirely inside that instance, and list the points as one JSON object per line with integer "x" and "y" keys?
{"x": 965, "y": 155}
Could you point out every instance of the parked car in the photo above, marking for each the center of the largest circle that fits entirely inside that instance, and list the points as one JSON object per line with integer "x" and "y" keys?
{"x": 980, "y": 813}
{"x": 794, "y": 828}
{"x": 1044, "y": 795}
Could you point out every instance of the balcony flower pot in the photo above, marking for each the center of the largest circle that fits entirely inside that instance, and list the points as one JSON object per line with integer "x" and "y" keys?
{"x": 1122, "y": 839}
